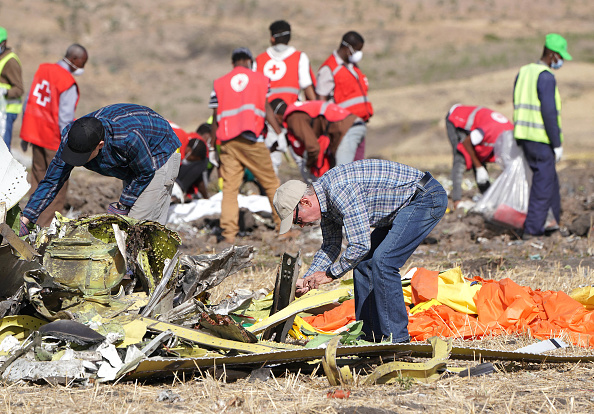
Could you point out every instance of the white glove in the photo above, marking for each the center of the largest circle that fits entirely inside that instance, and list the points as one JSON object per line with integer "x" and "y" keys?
{"x": 3, "y": 91}
{"x": 558, "y": 153}
{"x": 282, "y": 142}
{"x": 482, "y": 176}
{"x": 270, "y": 138}
{"x": 213, "y": 157}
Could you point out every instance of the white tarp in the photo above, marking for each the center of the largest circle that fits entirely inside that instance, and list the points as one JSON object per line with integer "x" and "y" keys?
{"x": 13, "y": 178}
{"x": 183, "y": 213}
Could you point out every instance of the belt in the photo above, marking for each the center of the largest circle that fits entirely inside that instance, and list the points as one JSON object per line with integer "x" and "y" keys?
{"x": 421, "y": 184}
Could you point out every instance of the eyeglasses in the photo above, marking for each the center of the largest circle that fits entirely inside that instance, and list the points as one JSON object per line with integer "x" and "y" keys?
{"x": 296, "y": 219}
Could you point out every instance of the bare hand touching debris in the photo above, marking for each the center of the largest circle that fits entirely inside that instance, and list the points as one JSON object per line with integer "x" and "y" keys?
{"x": 312, "y": 281}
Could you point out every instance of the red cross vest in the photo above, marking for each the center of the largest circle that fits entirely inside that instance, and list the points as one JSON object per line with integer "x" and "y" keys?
{"x": 241, "y": 96}
{"x": 490, "y": 122}
{"x": 350, "y": 88}
{"x": 332, "y": 113}
{"x": 41, "y": 120}
{"x": 283, "y": 75}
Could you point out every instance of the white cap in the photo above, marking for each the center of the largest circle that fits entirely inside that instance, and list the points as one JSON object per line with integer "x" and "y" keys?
{"x": 285, "y": 200}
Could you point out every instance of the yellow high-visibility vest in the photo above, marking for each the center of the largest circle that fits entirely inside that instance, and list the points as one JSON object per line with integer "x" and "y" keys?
{"x": 528, "y": 122}
{"x": 13, "y": 106}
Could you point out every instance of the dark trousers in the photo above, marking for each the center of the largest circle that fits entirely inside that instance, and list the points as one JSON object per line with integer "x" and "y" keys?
{"x": 544, "y": 192}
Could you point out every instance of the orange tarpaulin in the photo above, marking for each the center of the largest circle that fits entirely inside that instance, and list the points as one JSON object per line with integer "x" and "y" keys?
{"x": 334, "y": 318}
{"x": 501, "y": 307}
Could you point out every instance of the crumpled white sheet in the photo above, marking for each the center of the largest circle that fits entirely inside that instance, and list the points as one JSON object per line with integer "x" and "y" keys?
{"x": 184, "y": 213}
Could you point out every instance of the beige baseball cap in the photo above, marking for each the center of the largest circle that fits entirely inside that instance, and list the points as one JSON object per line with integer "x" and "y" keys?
{"x": 285, "y": 200}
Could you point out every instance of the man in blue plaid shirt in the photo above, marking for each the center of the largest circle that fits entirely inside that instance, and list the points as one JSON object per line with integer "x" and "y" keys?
{"x": 126, "y": 141}
{"x": 386, "y": 209}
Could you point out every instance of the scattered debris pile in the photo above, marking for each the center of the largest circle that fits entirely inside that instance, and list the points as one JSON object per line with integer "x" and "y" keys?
{"x": 110, "y": 298}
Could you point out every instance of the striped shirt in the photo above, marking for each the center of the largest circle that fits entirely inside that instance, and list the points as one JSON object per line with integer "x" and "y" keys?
{"x": 358, "y": 196}
{"x": 138, "y": 141}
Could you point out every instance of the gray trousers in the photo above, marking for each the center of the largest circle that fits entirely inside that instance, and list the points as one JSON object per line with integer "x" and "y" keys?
{"x": 347, "y": 148}
{"x": 459, "y": 165}
{"x": 153, "y": 203}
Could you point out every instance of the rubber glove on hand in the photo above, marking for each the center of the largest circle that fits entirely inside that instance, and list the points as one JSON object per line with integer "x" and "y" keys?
{"x": 558, "y": 153}
{"x": 213, "y": 157}
{"x": 117, "y": 208}
{"x": 282, "y": 142}
{"x": 482, "y": 176}
{"x": 270, "y": 138}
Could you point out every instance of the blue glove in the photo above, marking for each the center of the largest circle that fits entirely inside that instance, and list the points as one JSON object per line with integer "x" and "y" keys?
{"x": 117, "y": 208}
{"x": 23, "y": 229}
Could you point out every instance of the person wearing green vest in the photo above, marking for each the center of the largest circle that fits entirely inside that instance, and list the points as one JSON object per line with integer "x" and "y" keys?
{"x": 537, "y": 129}
{"x": 11, "y": 85}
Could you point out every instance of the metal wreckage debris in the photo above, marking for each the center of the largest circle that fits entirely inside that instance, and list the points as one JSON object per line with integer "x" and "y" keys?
{"x": 110, "y": 298}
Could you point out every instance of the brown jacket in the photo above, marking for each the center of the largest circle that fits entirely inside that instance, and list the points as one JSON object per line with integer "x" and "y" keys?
{"x": 307, "y": 130}
{"x": 12, "y": 74}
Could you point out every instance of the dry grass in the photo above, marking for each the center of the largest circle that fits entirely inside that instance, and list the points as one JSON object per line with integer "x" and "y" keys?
{"x": 513, "y": 388}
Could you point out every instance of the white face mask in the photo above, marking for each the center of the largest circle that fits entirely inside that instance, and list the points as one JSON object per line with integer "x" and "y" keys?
{"x": 78, "y": 72}
{"x": 356, "y": 57}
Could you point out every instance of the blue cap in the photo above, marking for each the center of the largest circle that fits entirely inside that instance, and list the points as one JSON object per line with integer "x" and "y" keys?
{"x": 244, "y": 51}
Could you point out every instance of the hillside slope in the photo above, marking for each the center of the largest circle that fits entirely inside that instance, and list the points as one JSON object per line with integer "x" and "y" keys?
{"x": 420, "y": 56}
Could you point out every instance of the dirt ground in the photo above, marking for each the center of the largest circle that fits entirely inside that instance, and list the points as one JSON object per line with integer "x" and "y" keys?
{"x": 465, "y": 240}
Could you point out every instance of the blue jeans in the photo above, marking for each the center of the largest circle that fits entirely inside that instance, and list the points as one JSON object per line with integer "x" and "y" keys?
{"x": 10, "y": 118}
{"x": 379, "y": 301}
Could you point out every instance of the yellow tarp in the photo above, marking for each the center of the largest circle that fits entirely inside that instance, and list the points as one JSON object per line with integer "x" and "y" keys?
{"x": 585, "y": 296}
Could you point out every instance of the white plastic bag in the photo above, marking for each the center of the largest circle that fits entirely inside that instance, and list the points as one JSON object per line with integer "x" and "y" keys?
{"x": 506, "y": 200}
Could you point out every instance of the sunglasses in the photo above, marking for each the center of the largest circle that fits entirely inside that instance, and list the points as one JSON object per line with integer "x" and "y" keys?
{"x": 296, "y": 218}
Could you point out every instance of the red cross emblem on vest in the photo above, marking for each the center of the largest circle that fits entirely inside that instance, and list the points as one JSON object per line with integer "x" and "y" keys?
{"x": 43, "y": 93}
{"x": 273, "y": 69}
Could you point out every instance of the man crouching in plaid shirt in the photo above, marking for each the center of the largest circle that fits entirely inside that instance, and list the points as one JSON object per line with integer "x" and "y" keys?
{"x": 126, "y": 141}
{"x": 400, "y": 203}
